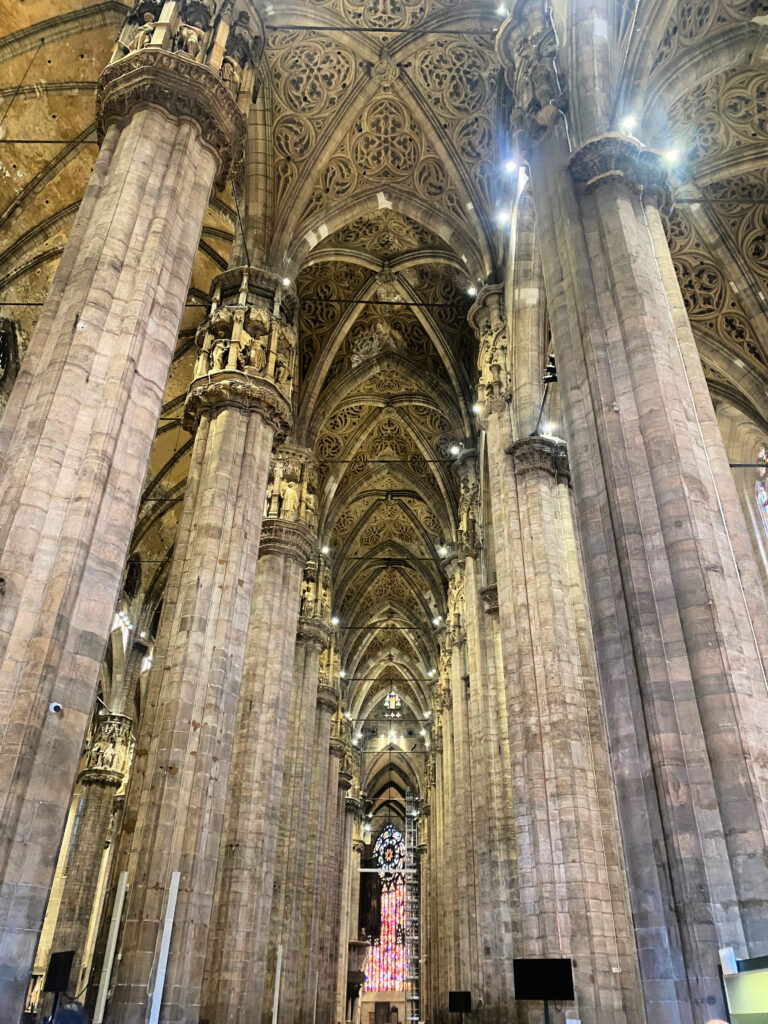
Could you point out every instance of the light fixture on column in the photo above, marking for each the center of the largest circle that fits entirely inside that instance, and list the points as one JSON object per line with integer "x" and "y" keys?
{"x": 472, "y": 291}
{"x": 442, "y": 551}
{"x": 287, "y": 282}
{"x": 325, "y": 550}
{"x": 431, "y": 673}
{"x": 511, "y": 166}
{"x": 502, "y": 217}
{"x": 342, "y": 674}
{"x": 672, "y": 156}
{"x": 477, "y": 408}
{"x": 437, "y": 620}
{"x": 455, "y": 449}
{"x": 334, "y": 620}
{"x": 628, "y": 124}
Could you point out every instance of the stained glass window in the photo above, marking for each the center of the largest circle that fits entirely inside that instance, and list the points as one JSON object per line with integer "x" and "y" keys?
{"x": 760, "y": 487}
{"x": 385, "y": 967}
{"x": 393, "y": 706}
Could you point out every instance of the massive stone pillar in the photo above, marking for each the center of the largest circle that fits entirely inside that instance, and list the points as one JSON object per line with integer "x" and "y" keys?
{"x": 566, "y": 835}
{"x": 236, "y": 405}
{"x": 347, "y": 931}
{"x": 107, "y": 763}
{"x": 236, "y": 963}
{"x": 292, "y": 846}
{"x": 677, "y": 637}
{"x": 313, "y": 886}
{"x": 76, "y": 437}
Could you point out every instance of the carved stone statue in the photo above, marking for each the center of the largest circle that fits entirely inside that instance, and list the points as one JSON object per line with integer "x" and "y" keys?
{"x": 218, "y": 357}
{"x": 257, "y": 357}
{"x": 144, "y": 32}
{"x": 289, "y": 493}
{"x": 190, "y": 40}
{"x": 231, "y": 75}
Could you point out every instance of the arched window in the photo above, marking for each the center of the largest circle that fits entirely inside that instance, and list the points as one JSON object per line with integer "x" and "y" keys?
{"x": 761, "y": 487}
{"x": 385, "y": 967}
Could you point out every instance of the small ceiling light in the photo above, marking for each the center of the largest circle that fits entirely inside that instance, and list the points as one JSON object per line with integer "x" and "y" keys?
{"x": 511, "y": 166}
{"x": 455, "y": 450}
{"x": 628, "y": 124}
{"x": 414, "y": 814}
{"x": 422, "y": 732}
{"x": 442, "y": 551}
{"x": 477, "y": 408}
{"x": 502, "y": 216}
{"x": 334, "y": 620}
{"x": 502, "y": 11}
{"x": 431, "y": 673}
{"x": 354, "y": 742}
{"x": 437, "y": 620}
{"x": 672, "y": 156}
{"x": 472, "y": 290}
{"x": 348, "y": 715}
{"x": 342, "y": 674}
{"x": 550, "y": 428}
{"x": 286, "y": 282}
{"x": 427, "y": 713}
{"x": 324, "y": 550}
{"x": 360, "y": 736}
{"x": 366, "y": 827}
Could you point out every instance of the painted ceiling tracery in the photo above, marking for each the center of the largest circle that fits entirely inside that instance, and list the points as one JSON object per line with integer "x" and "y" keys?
{"x": 383, "y": 183}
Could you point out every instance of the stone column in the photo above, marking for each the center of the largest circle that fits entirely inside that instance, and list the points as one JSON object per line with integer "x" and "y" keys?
{"x": 350, "y": 861}
{"x": 566, "y": 833}
{"x": 236, "y": 963}
{"x": 186, "y": 747}
{"x": 292, "y": 850}
{"x": 339, "y": 782}
{"x": 313, "y": 883}
{"x": 107, "y": 763}
{"x": 75, "y": 443}
{"x": 677, "y": 638}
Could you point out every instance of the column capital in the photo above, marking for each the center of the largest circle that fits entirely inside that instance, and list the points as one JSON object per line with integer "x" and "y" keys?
{"x": 543, "y": 454}
{"x": 614, "y": 157}
{"x": 337, "y": 747}
{"x": 327, "y": 697}
{"x": 292, "y": 540}
{"x": 185, "y": 89}
{"x": 233, "y": 388}
{"x": 526, "y": 45}
{"x": 109, "y": 751}
{"x": 312, "y": 631}
{"x": 490, "y": 596}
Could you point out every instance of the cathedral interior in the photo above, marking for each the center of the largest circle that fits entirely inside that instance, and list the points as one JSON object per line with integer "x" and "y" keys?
{"x": 383, "y": 508}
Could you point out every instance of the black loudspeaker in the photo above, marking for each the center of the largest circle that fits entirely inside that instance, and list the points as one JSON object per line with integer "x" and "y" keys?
{"x": 59, "y": 966}
{"x": 460, "y": 1002}
{"x": 550, "y": 979}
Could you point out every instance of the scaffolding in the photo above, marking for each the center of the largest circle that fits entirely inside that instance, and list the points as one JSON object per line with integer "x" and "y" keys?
{"x": 412, "y": 958}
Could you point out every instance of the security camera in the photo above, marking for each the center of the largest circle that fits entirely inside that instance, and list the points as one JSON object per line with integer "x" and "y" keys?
{"x": 55, "y": 707}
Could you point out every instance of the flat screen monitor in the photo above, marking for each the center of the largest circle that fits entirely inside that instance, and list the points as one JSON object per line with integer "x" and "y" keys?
{"x": 549, "y": 978}
{"x": 460, "y": 1002}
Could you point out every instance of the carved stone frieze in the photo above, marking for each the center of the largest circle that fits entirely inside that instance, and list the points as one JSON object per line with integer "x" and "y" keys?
{"x": 108, "y": 754}
{"x": 618, "y": 157}
{"x": 488, "y": 320}
{"x": 291, "y": 540}
{"x": 327, "y": 697}
{"x": 540, "y": 454}
{"x": 526, "y": 45}
{"x": 312, "y": 631}
{"x": 235, "y": 388}
{"x": 183, "y": 88}
{"x": 490, "y": 596}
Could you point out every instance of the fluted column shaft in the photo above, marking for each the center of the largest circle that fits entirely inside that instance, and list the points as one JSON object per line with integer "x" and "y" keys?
{"x": 237, "y": 949}
{"x": 291, "y": 861}
{"x": 310, "y": 933}
{"x": 346, "y": 931}
{"x": 196, "y": 677}
{"x": 330, "y": 873}
{"x": 566, "y": 825}
{"x": 676, "y": 633}
{"x": 97, "y": 366}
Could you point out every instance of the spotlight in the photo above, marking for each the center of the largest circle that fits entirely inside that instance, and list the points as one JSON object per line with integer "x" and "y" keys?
{"x": 342, "y": 674}
{"x": 477, "y": 409}
{"x": 472, "y": 290}
{"x": 502, "y": 11}
{"x": 442, "y": 551}
{"x": 502, "y": 216}
{"x": 286, "y": 282}
{"x": 550, "y": 428}
{"x": 334, "y": 620}
{"x": 628, "y": 124}
{"x": 672, "y": 156}
{"x": 510, "y": 166}
{"x": 431, "y": 673}
{"x": 437, "y": 620}
{"x": 427, "y": 713}
{"x": 422, "y": 732}
{"x": 348, "y": 715}
{"x": 454, "y": 449}
{"x": 366, "y": 827}
{"x": 354, "y": 742}
{"x": 324, "y": 550}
